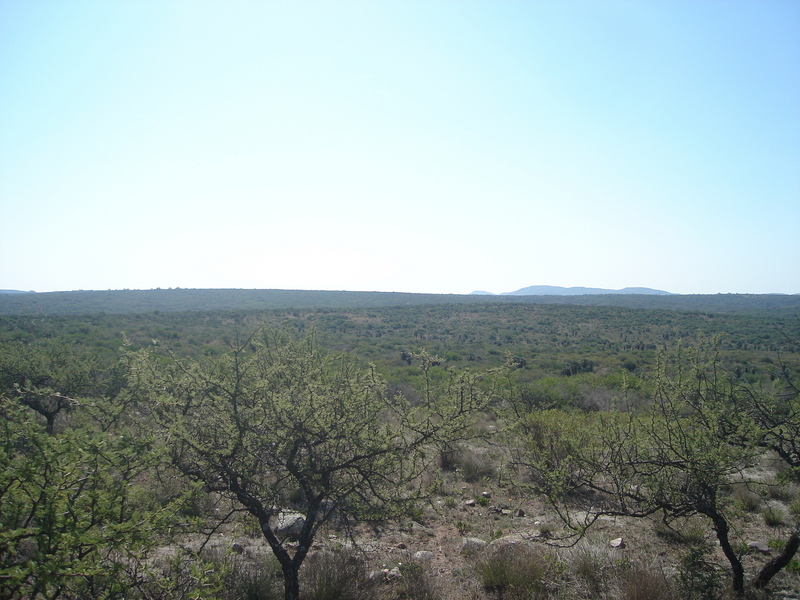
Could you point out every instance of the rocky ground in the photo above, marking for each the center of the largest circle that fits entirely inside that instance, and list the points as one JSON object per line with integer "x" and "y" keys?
{"x": 466, "y": 521}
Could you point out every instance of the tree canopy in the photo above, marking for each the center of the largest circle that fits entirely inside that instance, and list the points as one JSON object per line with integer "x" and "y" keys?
{"x": 675, "y": 459}
{"x": 280, "y": 425}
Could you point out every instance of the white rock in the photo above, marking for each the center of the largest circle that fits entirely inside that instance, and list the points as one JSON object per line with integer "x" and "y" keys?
{"x": 288, "y": 524}
{"x": 759, "y": 546}
{"x": 506, "y": 541}
{"x": 472, "y": 545}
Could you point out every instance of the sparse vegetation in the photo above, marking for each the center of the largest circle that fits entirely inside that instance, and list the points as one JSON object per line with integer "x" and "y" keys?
{"x": 338, "y": 575}
{"x": 162, "y": 471}
{"x": 773, "y": 516}
{"x": 516, "y": 571}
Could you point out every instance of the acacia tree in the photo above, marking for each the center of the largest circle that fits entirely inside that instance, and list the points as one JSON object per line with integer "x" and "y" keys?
{"x": 674, "y": 460}
{"x": 278, "y": 418}
{"x": 777, "y": 414}
{"x": 69, "y": 516}
{"x": 46, "y": 376}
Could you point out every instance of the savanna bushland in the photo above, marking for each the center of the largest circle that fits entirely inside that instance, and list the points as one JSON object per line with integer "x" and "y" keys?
{"x": 430, "y": 449}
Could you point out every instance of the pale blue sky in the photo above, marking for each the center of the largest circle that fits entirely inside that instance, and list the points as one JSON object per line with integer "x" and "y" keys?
{"x": 416, "y": 146}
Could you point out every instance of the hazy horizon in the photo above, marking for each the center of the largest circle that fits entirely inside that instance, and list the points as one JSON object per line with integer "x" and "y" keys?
{"x": 473, "y": 292}
{"x": 422, "y": 147}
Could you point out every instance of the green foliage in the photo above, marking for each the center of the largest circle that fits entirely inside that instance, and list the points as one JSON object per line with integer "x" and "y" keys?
{"x": 676, "y": 460}
{"x": 156, "y": 301}
{"x": 278, "y": 415}
{"x": 183, "y": 574}
{"x": 699, "y": 578}
{"x": 594, "y": 439}
{"x": 49, "y": 364}
{"x": 68, "y": 521}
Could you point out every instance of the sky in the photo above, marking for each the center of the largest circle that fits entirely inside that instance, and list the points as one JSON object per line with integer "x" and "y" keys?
{"x": 436, "y": 146}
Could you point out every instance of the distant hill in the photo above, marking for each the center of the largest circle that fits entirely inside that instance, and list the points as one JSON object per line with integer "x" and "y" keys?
{"x": 149, "y": 301}
{"x": 16, "y": 292}
{"x": 554, "y": 290}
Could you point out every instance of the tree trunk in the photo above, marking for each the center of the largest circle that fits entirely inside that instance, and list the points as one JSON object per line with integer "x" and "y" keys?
{"x": 291, "y": 581}
{"x": 769, "y": 570}
{"x": 290, "y": 565}
{"x": 721, "y": 528}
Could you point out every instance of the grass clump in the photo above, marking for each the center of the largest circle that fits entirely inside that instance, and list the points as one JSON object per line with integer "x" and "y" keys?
{"x": 244, "y": 578}
{"x": 335, "y": 576}
{"x": 643, "y": 582}
{"x": 472, "y": 466}
{"x": 515, "y": 571}
{"x": 589, "y": 565}
{"x": 688, "y": 533}
{"x": 416, "y": 583}
{"x": 782, "y": 492}
{"x": 745, "y": 499}
{"x": 773, "y": 516}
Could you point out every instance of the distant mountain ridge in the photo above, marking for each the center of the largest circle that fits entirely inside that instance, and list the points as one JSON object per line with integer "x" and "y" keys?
{"x": 554, "y": 290}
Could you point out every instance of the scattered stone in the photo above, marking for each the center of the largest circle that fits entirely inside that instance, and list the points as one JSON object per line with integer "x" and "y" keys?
{"x": 402, "y": 546}
{"x": 237, "y": 548}
{"x": 511, "y": 547}
{"x": 385, "y": 575}
{"x": 423, "y": 555}
{"x": 470, "y": 502}
{"x": 486, "y": 494}
{"x": 472, "y": 545}
{"x": 520, "y": 513}
{"x": 505, "y": 512}
{"x": 617, "y": 543}
{"x": 759, "y": 546}
{"x": 509, "y": 540}
{"x": 288, "y": 524}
